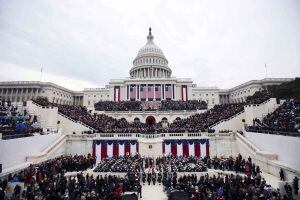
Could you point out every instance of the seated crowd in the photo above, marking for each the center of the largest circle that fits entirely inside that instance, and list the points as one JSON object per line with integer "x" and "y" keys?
{"x": 195, "y": 123}
{"x": 105, "y": 124}
{"x": 259, "y": 97}
{"x": 14, "y": 124}
{"x": 154, "y": 105}
{"x": 118, "y": 106}
{"x": 286, "y": 118}
{"x": 170, "y": 163}
{"x": 121, "y": 164}
{"x": 202, "y": 121}
{"x": 183, "y": 105}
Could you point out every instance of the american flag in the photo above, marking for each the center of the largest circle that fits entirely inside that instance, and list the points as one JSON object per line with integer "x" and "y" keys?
{"x": 132, "y": 92}
{"x": 169, "y": 91}
{"x": 158, "y": 91}
{"x": 143, "y": 91}
{"x": 150, "y": 91}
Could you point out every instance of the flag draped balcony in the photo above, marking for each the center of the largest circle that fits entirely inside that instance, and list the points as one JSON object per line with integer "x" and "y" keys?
{"x": 109, "y": 148}
{"x": 199, "y": 148}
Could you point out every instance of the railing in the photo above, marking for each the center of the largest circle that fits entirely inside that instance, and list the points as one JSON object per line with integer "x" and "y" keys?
{"x": 161, "y": 135}
{"x": 247, "y": 143}
{"x": 284, "y": 133}
{"x": 38, "y": 105}
{"x": 224, "y": 120}
{"x": 48, "y": 107}
{"x": 264, "y": 102}
{"x": 75, "y": 121}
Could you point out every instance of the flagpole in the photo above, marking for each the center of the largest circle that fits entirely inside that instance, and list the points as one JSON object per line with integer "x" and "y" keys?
{"x": 41, "y": 74}
{"x": 266, "y": 70}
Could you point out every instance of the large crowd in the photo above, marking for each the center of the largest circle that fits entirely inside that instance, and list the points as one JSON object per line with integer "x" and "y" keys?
{"x": 247, "y": 183}
{"x": 170, "y": 163}
{"x": 203, "y": 121}
{"x": 286, "y": 118}
{"x": 142, "y": 105}
{"x": 46, "y": 180}
{"x": 183, "y": 105}
{"x": 50, "y": 180}
{"x": 105, "y": 124}
{"x": 16, "y": 124}
{"x": 118, "y": 106}
{"x": 259, "y": 97}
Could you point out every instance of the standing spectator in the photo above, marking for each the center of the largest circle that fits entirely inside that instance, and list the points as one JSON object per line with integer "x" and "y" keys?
{"x": 281, "y": 174}
{"x": 296, "y": 185}
{"x": 288, "y": 190}
{"x": 140, "y": 190}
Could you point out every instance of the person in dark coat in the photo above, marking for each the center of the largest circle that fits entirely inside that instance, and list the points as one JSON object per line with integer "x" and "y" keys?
{"x": 153, "y": 178}
{"x": 281, "y": 174}
{"x": 144, "y": 177}
{"x": 140, "y": 190}
{"x": 149, "y": 178}
{"x": 296, "y": 185}
{"x": 159, "y": 177}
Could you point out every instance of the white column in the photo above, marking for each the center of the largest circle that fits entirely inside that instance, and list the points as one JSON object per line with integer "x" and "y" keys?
{"x": 146, "y": 92}
{"x": 175, "y": 98}
{"x": 154, "y": 93}
{"x": 161, "y": 91}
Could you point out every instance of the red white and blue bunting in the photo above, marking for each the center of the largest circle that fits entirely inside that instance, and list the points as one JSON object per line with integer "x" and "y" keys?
{"x": 109, "y": 148}
{"x": 197, "y": 147}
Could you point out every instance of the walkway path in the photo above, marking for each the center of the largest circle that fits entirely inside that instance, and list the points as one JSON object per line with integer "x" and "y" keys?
{"x": 153, "y": 192}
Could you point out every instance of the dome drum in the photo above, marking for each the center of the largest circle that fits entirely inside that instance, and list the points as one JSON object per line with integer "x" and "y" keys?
{"x": 150, "y": 62}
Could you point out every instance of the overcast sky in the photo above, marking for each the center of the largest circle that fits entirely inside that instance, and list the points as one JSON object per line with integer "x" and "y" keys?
{"x": 85, "y": 43}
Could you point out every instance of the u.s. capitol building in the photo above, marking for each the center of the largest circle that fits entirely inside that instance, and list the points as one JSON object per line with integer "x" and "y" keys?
{"x": 150, "y": 80}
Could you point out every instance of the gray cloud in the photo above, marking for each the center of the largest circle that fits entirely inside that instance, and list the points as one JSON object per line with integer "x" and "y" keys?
{"x": 220, "y": 43}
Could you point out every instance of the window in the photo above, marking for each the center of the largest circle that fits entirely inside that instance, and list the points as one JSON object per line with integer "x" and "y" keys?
{"x": 89, "y": 102}
{"x": 207, "y": 95}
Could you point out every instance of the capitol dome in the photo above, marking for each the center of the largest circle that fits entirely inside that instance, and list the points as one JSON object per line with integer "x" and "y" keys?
{"x": 150, "y": 62}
